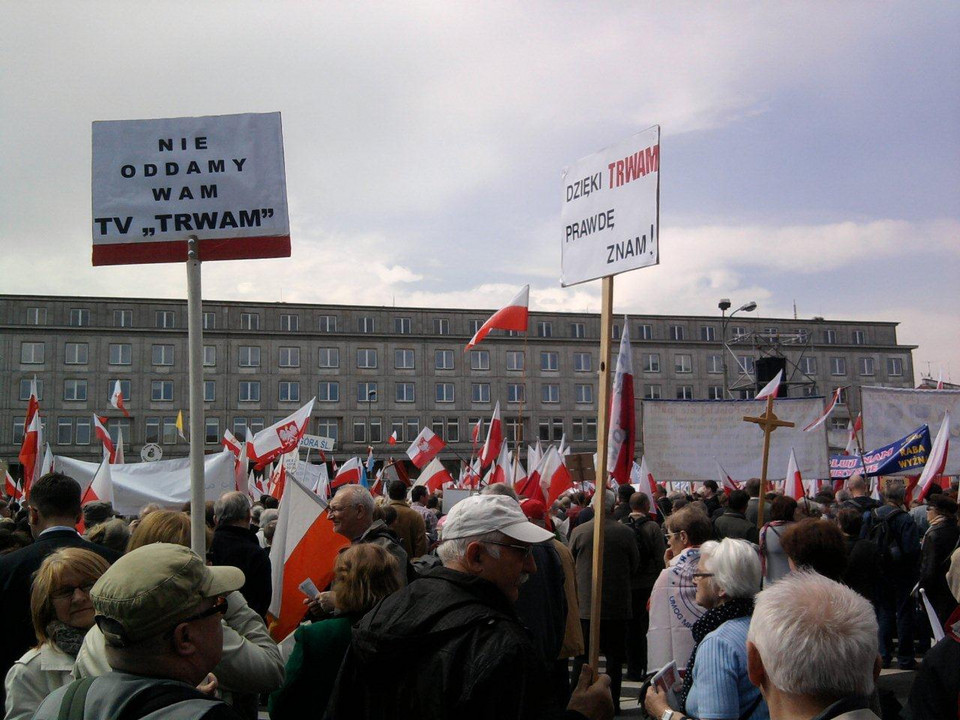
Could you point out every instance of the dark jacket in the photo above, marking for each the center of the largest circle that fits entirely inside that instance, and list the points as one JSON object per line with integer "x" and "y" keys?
{"x": 541, "y": 604}
{"x": 935, "y": 694}
{"x": 753, "y": 507}
{"x": 651, "y": 545}
{"x": 621, "y": 560}
{"x": 16, "y": 576}
{"x": 447, "y": 646}
{"x": 938, "y": 545}
{"x": 906, "y": 543}
{"x": 863, "y": 503}
{"x": 240, "y": 548}
{"x": 863, "y": 567}
{"x": 735, "y": 525}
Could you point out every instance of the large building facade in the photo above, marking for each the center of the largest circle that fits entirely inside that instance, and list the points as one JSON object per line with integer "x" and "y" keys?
{"x": 376, "y": 370}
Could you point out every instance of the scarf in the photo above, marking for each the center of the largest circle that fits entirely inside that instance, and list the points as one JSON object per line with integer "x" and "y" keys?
{"x": 66, "y": 637}
{"x": 711, "y": 620}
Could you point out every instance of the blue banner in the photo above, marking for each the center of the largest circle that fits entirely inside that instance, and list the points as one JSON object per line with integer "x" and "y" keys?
{"x": 907, "y": 455}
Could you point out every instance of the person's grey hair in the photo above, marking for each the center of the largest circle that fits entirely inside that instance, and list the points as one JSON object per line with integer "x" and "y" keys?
{"x": 609, "y": 501}
{"x": 735, "y": 565}
{"x": 268, "y": 516}
{"x": 231, "y": 507}
{"x": 452, "y": 550}
{"x": 500, "y": 489}
{"x": 894, "y": 491}
{"x": 358, "y": 495}
{"x": 843, "y": 496}
{"x": 815, "y": 636}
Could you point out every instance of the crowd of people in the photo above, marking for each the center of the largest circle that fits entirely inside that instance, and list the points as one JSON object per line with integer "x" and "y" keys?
{"x": 484, "y": 611}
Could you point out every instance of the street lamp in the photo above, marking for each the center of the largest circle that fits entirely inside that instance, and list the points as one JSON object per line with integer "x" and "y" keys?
{"x": 371, "y": 398}
{"x": 724, "y": 305}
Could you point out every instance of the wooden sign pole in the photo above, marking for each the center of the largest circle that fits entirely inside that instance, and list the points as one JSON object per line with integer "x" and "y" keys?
{"x": 603, "y": 407}
{"x": 768, "y": 422}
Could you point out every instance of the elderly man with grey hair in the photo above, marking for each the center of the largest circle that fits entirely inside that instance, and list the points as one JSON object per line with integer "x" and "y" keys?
{"x": 235, "y": 543}
{"x": 450, "y": 645}
{"x": 812, "y": 649}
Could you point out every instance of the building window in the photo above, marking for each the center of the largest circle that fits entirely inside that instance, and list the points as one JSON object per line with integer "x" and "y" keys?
{"x": 401, "y": 325}
{"x": 894, "y": 367}
{"x": 747, "y": 363}
{"x": 249, "y": 356}
{"x": 453, "y": 430}
{"x": 403, "y": 359}
{"x": 64, "y": 431}
{"x": 443, "y": 359}
{"x": 838, "y": 366}
{"x": 75, "y": 390}
{"x": 582, "y": 362}
{"x": 249, "y": 391}
{"x": 359, "y": 430}
{"x": 25, "y": 389}
{"x": 211, "y": 435}
{"x": 584, "y": 429}
{"x": 328, "y": 391}
{"x": 405, "y": 392}
{"x": 808, "y": 365}
{"x": 549, "y": 361}
{"x": 677, "y": 332}
{"x": 166, "y": 319}
{"x": 577, "y": 330}
{"x": 480, "y": 392}
{"x": 239, "y": 426}
{"x": 289, "y": 322}
{"x": 715, "y": 392}
{"x": 37, "y": 316}
{"x": 126, "y": 388}
{"x": 708, "y": 333}
{"x": 651, "y": 392}
{"x": 366, "y": 358}
{"x": 289, "y": 357}
{"x": 82, "y": 427}
{"x": 328, "y": 427}
{"x": 770, "y": 332}
{"x": 838, "y": 423}
{"x": 328, "y": 357}
{"x": 18, "y": 430}
{"x": 551, "y": 429}
{"x": 645, "y": 332}
{"x": 615, "y": 331}
{"x": 161, "y": 390}
{"x": 123, "y": 318}
{"x": 515, "y": 360}
{"x": 444, "y": 392}
{"x": 550, "y": 393}
{"x": 209, "y": 355}
{"x": 516, "y": 393}
{"x": 441, "y": 326}
{"x": 169, "y": 430}
{"x": 152, "y": 430}
{"x": 859, "y": 337}
{"x": 121, "y": 354}
{"x": 651, "y": 362}
{"x": 288, "y": 391}
{"x": 682, "y": 363}
{"x": 366, "y": 392}
{"x": 366, "y": 324}
{"x": 544, "y": 329}
{"x": 473, "y": 326}
{"x": 31, "y": 353}
{"x": 162, "y": 354}
{"x": 584, "y": 394}
{"x": 75, "y": 353}
{"x": 376, "y": 430}
{"x": 738, "y": 331}
{"x": 842, "y": 398}
{"x": 209, "y": 320}
{"x": 866, "y": 366}
{"x": 684, "y": 392}
{"x": 249, "y": 321}
{"x": 479, "y": 359}
{"x": 327, "y": 323}
{"x": 209, "y": 390}
{"x": 413, "y": 427}
{"x": 714, "y": 364}
{"x": 830, "y": 337}
{"x": 79, "y": 317}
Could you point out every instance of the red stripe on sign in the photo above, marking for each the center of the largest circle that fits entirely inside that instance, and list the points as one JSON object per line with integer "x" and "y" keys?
{"x": 245, "y": 248}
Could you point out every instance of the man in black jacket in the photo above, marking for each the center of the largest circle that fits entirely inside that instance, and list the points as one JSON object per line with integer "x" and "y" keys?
{"x": 938, "y": 544}
{"x": 733, "y": 523}
{"x": 450, "y": 645}
{"x": 236, "y": 544}
{"x": 54, "y": 511}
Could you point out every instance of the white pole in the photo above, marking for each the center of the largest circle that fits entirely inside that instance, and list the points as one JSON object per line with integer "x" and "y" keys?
{"x": 198, "y": 536}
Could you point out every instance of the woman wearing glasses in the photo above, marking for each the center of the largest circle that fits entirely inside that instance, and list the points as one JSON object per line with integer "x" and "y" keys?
{"x": 716, "y": 684}
{"x": 62, "y": 613}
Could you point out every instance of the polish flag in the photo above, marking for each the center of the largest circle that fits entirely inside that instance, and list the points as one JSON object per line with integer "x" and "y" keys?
{"x": 304, "y": 546}
{"x": 116, "y": 399}
{"x": 348, "y": 474}
{"x": 936, "y": 460}
{"x": 500, "y": 470}
{"x": 530, "y": 486}
{"x": 10, "y": 487}
{"x": 554, "y": 477}
{"x": 513, "y": 317}
{"x": 278, "y": 480}
{"x": 100, "y": 488}
{"x": 281, "y": 437}
{"x": 392, "y": 440}
{"x": 726, "y": 482}
{"x": 620, "y": 439}
{"x": 30, "y": 451}
{"x": 434, "y": 476}
{"x": 241, "y": 476}
{"x": 771, "y": 388}
{"x": 104, "y": 436}
{"x": 826, "y": 413}
{"x": 853, "y": 428}
{"x": 425, "y": 448}
{"x": 118, "y": 458}
{"x": 533, "y": 455}
{"x": 475, "y": 432}
{"x": 255, "y": 484}
{"x": 519, "y": 474}
{"x": 793, "y": 484}
{"x": 643, "y": 479}
{"x": 231, "y": 443}
{"x": 491, "y": 446}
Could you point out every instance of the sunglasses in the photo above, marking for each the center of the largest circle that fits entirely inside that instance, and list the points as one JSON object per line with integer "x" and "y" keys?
{"x": 526, "y": 550}
{"x": 219, "y": 607}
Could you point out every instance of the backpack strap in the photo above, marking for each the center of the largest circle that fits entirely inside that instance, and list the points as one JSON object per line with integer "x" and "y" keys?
{"x": 156, "y": 697}
{"x": 74, "y": 699}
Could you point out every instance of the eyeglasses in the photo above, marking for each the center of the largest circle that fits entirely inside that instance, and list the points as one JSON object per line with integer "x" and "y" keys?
{"x": 220, "y": 606}
{"x": 67, "y": 592}
{"x": 698, "y": 575}
{"x": 527, "y": 550}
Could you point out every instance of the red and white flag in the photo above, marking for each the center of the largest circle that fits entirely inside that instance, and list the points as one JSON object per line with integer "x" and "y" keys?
{"x": 643, "y": 479}
{"x": 231, "y": 443}
{"x": 519, "y": 474}
{"x": 475, "y": 432}
{"x": 434, "y": 476}
{"x": 100, "y": 488}
{"x": 533, "y": 455}
{"x": 512, "y": 317}
{"x": 771, "y": 388}
{"x": 281, "y": 437}
{"x": 555, "y": 479}
{"x": 826, "y": 413}
{"x": 425, "y": 448}
{"x": 501, "y": 469}
{"x": 392, "y": 440}
{"x": 620, "y": 439}
{"x": 793, "y": 484}
{"x": 116, "y": 399}
{"x": 101, "y": 430}
{"x": 854, "y": 428}
{"x": 936, "y": 460}
{"x": 30, "y": 452}
{"x": 304, "y": 546}
{"x": 491, "y": 446}
{"x": 33, "y": 403}
{"x": 348, "y": 474}
{"x": 726, "y": 482}
{"x": 278, "y": 480}
{"x": 10, "y": 487}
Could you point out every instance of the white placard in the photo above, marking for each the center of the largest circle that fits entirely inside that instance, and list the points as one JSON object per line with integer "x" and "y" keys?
{"x": 611, "y": 210}
{"x": 157, "y": 182}
{"x": 317, "y": 442}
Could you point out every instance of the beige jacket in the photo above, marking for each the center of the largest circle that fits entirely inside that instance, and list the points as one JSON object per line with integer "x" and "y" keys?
{"x": 573, "y": 632}
{"x": 34, "y": 676}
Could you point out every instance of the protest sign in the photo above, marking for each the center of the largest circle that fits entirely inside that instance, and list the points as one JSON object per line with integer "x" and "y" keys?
{"x": 906, "y": 456}
{"x": 317, "y": 442}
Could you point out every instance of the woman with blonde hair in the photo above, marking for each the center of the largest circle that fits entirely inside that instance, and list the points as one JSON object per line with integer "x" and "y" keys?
{"x": 62, "y": 614}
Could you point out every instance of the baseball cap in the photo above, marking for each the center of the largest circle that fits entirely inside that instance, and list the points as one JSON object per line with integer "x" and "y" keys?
{"x": 480, "y": 514}
{"x": 151, "y": 589}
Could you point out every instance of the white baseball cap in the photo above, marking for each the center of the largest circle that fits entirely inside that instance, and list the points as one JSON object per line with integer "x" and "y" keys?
{"x": 481, "y": 514}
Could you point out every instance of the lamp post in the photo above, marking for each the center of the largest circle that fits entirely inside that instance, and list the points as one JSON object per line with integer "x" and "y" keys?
{"x": 371, "y": 398}
{"x": 724, "y": 305}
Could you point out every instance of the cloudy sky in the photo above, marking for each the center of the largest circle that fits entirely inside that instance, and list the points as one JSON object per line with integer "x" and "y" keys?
{"x": 810, "y": 151}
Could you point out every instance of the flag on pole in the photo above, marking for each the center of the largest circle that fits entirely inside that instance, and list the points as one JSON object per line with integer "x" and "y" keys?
{"x": 826, "y": 413}
{"x": 100, "y": 488}
{"x": 533, "y": 455}
{"x": 30, "y": 451}
{"x": 500, "y": 470}
{"x": 620, "y": 439}
{"x": 425, "y": 447}
{"x": 392, "y": 440}
{"x": 116, "y": 399}
{"x": 348, "y": 474}
{"x": 512, "y": 317}
{"x": 231, "y": 443}
{"x": 771, "y": 388}
{"x": 853, "y": 428}
{"x": 434, "y": 476}
{"x": 370, "y": 460}
{"x": 10, "y": 487}
{"x": 793, "y": 484}
{"x": 491, "y": 446}
{"x": 240, "y": 478}
{"x": 726, "y": 482}
{"x": 101, "y": 431}
{"x": 554, "y": 477}
{"x": 180, "y": 425}
{"x": 475, "y": 432}
{"x": 281, "y": 437}
{"x": 118, "y": 458}
{"x": 278, "y": 480}
{"x": 304, "y": 546}
{"x": 643, "y": 479}
{"x": 937, "y": 459}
